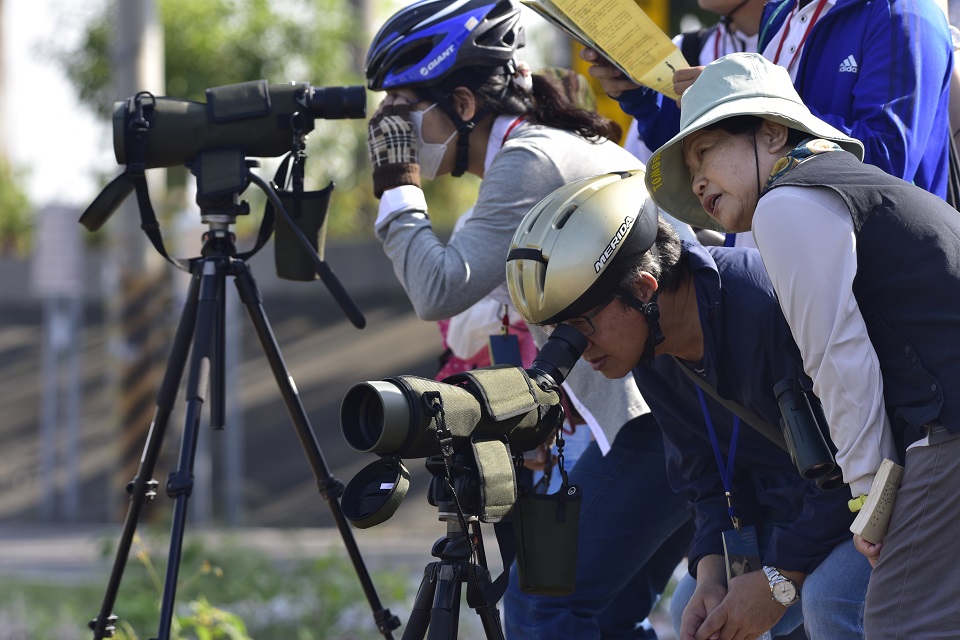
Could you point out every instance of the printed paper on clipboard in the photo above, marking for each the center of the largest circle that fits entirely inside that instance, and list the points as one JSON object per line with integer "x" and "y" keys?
{"x": 623, "y": 33}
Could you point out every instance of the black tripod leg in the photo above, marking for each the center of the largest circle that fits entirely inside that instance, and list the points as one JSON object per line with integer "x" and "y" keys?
{"x": 180, "y": 483}
{"x": 445, "y": 614}
{"x": 490, "y": 619}
{"x": 419, "y": 620}
{"x": 330, "y": 487}
{"x": 142, "y": 488}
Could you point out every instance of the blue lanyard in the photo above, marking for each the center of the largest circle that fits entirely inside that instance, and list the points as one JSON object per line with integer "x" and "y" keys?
{"x": 726, "y": 469}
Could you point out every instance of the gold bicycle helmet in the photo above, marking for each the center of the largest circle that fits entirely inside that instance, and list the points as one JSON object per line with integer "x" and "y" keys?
{"x": 573, "y": 248}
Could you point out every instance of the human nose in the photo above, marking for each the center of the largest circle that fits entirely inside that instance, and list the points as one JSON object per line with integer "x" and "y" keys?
{"x": 698, "y": 183}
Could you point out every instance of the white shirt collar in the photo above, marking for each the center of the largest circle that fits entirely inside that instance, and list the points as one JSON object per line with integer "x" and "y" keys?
{"x": 497, "y": 132}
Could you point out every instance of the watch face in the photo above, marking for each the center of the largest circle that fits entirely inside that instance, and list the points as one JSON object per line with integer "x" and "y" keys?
{"x": 784, "y": 592}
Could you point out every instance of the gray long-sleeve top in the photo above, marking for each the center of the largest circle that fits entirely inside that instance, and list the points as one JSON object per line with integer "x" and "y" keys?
{"x": 443, "y": 280}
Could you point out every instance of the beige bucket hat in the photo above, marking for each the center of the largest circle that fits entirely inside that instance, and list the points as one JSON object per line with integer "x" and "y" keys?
{"x": 738, "y": 84}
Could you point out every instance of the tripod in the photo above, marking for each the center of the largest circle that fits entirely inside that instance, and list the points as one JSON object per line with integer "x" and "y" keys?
{"x": 462, "y": 560}
{"x": 200, "y": 336}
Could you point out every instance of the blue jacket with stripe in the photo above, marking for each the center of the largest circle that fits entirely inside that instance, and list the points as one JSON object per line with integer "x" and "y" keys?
{"x": 877, "y": 70}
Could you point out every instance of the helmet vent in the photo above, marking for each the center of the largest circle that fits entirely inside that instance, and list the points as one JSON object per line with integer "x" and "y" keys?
{"x": 564, "y": 215}
{"x": 413, "y": 56}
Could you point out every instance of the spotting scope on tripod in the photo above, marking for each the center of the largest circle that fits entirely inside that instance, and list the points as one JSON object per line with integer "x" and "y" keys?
{"x": 472, "y": 428}
{"x": 216, "y": 140}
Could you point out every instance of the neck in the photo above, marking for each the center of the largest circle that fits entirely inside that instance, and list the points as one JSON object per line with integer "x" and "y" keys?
{"x": 746, "y": 18}
{"x": 479, "y": 139}
{"x": 680, "y": 320}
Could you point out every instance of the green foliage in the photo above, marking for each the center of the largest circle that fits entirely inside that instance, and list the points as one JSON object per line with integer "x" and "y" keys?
{"x": 16, "y": 219}
{"x": 225, "y": 592}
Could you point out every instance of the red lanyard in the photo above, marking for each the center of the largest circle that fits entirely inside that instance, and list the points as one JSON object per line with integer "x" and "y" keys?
{"x": 513, "y": 125}
{"x": 786, "y": 32}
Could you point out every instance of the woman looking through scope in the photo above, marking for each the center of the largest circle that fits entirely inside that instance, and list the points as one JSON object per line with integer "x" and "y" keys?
{"x": 458, "y": 101}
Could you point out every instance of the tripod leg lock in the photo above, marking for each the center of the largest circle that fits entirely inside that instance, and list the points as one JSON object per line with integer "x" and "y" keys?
{"x": 151, "y": 489}
{"x": 330, "y": 489}
{"x": 109, "y": 630}
{"x": 386, "y": 621}
{"x": 179, "y": 484}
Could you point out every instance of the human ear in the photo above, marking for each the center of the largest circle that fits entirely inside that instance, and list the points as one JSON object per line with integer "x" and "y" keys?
{"x": 464, "y": 103}
{"x": 774, "y": 135}
{"x": 645, "y": 286}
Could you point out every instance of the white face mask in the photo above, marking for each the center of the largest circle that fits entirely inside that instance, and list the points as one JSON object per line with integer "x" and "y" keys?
{"x": 429, "y": 154}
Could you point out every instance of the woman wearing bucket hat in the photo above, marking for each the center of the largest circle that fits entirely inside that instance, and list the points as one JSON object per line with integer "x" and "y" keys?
{"x": 866, "y": 269}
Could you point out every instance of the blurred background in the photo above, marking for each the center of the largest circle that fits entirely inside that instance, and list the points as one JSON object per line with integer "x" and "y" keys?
{"x": 87, "y": 319}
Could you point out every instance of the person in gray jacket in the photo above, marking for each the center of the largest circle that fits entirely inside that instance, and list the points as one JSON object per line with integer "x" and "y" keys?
{"x": 459, "y": 102}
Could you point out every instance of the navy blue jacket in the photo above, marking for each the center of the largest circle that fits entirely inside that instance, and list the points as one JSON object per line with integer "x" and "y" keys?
{"x": 746, "y": 352}
{"x": 895, "y": 100}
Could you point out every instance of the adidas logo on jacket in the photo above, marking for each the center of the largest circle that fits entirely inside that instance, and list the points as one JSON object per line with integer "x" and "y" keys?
{"x": 849, "y": 65}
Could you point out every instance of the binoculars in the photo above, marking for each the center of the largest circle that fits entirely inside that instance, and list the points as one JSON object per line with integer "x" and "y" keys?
{"x": 807, "y": 434}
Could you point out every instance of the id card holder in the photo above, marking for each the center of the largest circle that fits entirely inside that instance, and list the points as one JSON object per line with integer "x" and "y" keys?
{"x": 741, "y": 553}
{"x": 505, "y": 347}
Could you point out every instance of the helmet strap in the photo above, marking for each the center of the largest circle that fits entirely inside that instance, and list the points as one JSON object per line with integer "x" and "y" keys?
{"x": 651, "y": 313}
{"x": 464, "y": 129}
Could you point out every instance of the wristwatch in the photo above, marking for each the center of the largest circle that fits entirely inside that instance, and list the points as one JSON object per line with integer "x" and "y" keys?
{"x": 782, "y": 589}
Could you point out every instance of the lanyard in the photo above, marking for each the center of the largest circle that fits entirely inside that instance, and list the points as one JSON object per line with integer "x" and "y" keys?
{"x": 722, "y": 31}
{"x": 513, "y": 125}
{"x": 726, "y": 470}
{"x": 816, "y": 15}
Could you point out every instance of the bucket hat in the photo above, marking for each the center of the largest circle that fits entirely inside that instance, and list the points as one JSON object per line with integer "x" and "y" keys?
{"x": 738, "y": 84}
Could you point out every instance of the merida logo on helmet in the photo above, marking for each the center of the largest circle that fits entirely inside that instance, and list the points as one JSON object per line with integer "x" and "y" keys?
{"x": 440, "y": 58}
{"x": 614, "y": 242}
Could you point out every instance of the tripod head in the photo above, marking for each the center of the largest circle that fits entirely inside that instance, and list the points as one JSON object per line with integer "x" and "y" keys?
{"x": 463, "y": 490}
{"x": 214, "y": 141}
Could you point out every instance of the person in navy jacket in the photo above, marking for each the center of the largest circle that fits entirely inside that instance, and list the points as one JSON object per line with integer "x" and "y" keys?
{"x": 649, "y": 304}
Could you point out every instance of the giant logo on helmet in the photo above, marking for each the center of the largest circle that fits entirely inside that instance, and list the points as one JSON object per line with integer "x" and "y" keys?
{"x": 430, "y": 66}
{"x": 614, "y": 243}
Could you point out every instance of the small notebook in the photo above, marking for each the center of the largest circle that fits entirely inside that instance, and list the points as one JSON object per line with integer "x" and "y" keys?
{"x": 874, "y": 518}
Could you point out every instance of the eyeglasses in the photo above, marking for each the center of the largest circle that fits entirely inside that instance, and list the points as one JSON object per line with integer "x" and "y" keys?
{"x": 584, "y": 323}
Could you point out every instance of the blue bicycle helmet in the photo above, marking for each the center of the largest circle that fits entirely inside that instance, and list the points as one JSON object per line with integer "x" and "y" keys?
{"x": 424, "y": 43}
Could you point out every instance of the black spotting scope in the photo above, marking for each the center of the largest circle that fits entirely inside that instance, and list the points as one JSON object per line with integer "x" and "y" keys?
{"x": 256, "y": 117}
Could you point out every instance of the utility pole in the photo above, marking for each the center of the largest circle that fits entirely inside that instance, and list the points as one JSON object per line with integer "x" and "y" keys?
{"x": 138, "y": 281}
{"x": 3, "y": 95}
{"x": 363, "y": 16}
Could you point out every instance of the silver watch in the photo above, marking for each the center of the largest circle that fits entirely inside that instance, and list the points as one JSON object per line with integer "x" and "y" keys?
{"x": 782, "y": 589}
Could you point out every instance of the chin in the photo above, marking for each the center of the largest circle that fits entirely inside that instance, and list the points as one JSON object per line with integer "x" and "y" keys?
{"x": 613, "y": 374}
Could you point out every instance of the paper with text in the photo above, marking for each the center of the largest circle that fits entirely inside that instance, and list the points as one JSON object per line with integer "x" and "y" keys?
{"x": 623, "y": 33}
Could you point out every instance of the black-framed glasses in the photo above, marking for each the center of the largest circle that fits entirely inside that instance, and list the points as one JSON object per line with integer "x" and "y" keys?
{"x": 584, "y": 323}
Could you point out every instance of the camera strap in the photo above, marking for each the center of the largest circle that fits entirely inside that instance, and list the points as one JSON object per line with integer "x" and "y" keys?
{"x": 480, "y": 592}
{"x": 765, "y": 428}
{"x": 136, "y": 173}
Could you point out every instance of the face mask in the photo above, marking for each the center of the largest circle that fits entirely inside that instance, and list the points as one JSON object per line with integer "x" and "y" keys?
{"x": 429, "y": 154}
